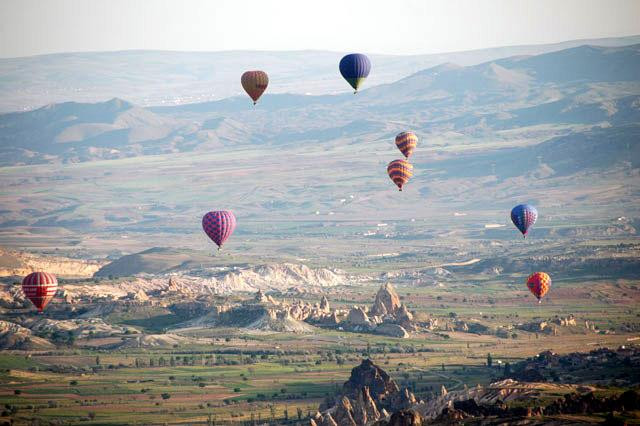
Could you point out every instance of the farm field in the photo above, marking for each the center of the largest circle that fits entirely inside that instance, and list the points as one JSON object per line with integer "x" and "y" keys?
{"x": 233, "y": 376}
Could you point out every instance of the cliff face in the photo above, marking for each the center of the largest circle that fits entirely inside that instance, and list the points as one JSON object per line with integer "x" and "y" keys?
{"x": 16, "y": 263}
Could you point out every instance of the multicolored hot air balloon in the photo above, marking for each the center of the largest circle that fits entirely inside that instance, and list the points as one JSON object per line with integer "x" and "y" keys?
{"x": 355, "y": 68}
{"x": 40, "y": 287}
{"x": 406, "y": 143}
{"x": 400, "y": 171}
{"x": 539, "y": 284}
{"x": 255, "y": 83}
{"x": 219, "y": 225}
{"x": 523, "y": 217}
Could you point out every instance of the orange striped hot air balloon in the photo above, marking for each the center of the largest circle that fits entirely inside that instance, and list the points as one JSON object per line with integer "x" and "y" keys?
{"x": 539, "y": 284}
{"x": 406, "y": 143}
{"x": 400, "y": 171}
{"x": 255, "y": 83}
{"x": 40, "y": 287}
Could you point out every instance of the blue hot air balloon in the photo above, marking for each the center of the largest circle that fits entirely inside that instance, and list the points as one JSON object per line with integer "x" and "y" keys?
{"x": 523, "y": 217}
{"x": 355, "y": 68}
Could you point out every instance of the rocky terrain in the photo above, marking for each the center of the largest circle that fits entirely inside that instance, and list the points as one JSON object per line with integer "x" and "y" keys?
{"x": 263, "y": 313}
{"x": 14, "y": 336}
{"x": 20, "y": 263}
{"x": 600, "y": 367}
{"x": 371, "y": 397}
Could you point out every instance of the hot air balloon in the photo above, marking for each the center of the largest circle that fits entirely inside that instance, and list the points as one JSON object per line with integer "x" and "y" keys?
{"x": 355, "y": 68}
{"x": 400, "y": 171}
{"x": 406, "y": 143}
{"x": 219, "y": 225}
{"x": 40, "y": 287}
{"x": 539, "y": 284}
{"x": 523, "y": 217}
{"x": 255, "y": 83}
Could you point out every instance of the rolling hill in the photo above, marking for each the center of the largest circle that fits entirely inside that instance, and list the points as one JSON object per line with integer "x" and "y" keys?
{"x": 301, "y": 171}
{"x": 170, "y": 78}
{"x": 580, "y": 86}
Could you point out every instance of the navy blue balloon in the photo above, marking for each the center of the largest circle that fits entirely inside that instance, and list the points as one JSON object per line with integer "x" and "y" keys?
{"x": 524, "y": 216}
{"x": 355, "y": 68}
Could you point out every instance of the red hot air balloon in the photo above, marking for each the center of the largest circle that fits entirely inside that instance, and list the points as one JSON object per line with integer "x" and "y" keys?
{"x": 40, "y": 287}
{"x": 539, "y": 283}
{"x": 255, "y": 83}
{"x": 219, "y": 225}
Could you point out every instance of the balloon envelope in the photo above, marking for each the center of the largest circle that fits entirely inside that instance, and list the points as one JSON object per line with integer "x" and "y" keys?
{"x": 406, "y": 143}
{"x": 539, "y": 283}
{"x": 40, "y": 287}
{"x": 219, "y": 225}
{"x": 523, "y": 217}
{"x": 400, "y": 171}
{"x": 255, "y": 83}
{"x": 355, "y": 68}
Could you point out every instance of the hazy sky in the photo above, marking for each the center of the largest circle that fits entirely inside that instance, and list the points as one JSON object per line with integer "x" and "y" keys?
{"x": 29, "y": 27}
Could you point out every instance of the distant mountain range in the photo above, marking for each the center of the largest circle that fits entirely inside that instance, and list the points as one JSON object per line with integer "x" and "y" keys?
{"x": 162, "y": 77}
{"x": 507, "y": 100}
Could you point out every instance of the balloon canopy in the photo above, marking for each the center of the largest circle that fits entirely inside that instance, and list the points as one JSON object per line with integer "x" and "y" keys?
{"x": 219, "y": 225}
{"x": 355, "y": 69}
{"x": 40, "y": 287}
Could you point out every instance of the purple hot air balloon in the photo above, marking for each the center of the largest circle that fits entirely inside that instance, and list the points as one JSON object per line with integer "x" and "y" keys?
{"x": 219, "y": 226}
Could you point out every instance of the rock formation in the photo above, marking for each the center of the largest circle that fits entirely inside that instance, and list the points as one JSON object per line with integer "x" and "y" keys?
{"x": 358, "y": 317}
{"x": 366, "y": 398}
{"x": 324, "y": 305}
{"x": 369, "y": 375}
{"x": 386, "y": 302}
{"x": 387, "y": 316}
{"x": 264, "y": 313}
{"x": 393, "y": 330}
{"x": 14, "y": 336}
{"x": 18, "y": 263}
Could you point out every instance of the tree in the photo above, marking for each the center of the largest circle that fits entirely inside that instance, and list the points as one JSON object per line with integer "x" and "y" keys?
{"x": 299, "y": 412}
{"x": 97, "y": 360}
{"x": 489, "y": 360}
{"x": 507, "y": 369}
{"x": 165, "y": 395}
{"x": 443, "y": 366}
{"x": 71, "y": 338}
{"x": 272, "y": 410}
{"x": 172, "y": 362}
